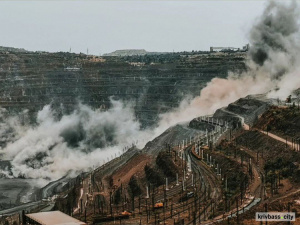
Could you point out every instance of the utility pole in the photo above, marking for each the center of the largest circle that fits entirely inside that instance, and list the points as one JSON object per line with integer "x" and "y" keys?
{"x": 147, "y": 210}
{"x": 139, "y": 204}
{"x": 266, "y": 210}
{"x": 237, "y": 210}
{"x": 110, "y": 202}
{"x": 289, "y": 205}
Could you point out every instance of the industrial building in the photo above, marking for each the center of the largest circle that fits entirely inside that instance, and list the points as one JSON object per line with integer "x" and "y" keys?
{"x": 51, "y": 218}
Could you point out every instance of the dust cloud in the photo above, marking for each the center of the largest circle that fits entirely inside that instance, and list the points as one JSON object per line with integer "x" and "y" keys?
{"x": 87, "y": 138}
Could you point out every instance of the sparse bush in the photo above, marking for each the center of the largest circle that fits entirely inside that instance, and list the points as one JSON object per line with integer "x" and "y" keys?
{"x": 117, "y": 197}
{"x": 165, "y": 163}
{"x": 154, "y": 176}
{"x": 134, "y": 186}
{"x": 235, "y": 180}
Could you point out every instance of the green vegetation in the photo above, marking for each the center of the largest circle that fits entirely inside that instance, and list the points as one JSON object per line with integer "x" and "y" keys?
{"x": 154, "y": 176}
{"x": 134, "y": 186}
{"x": 281, "y": 121}
{"x": 117, "y": 196}
{"x": 166, "y": 164}
{"x": 233, "y": 170}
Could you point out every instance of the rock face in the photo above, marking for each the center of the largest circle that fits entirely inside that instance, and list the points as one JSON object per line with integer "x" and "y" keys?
{"x": 154, "y": 83}
{"x": 127, "y": 52}
{"x": 249, "y": 109}
{"x": 195, "y": 124}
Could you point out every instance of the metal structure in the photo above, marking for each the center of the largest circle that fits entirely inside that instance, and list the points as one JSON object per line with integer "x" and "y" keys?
{"x": 245, "y": 48}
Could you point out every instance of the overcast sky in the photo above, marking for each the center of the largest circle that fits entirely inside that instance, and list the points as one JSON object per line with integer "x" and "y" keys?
{"x": 105, "y": 26}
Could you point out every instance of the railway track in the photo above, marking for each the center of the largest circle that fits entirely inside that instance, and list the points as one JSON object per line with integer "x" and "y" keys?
{"x": 207, "y": 180}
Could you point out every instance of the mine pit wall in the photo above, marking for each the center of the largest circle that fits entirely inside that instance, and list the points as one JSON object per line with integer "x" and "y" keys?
{"x": 249, "y": 109}
{"x": 252, "y": 118}
{"x": 31, "y": 80}
{"x": 258, "y": 114}
{"x": 106, "y": 169}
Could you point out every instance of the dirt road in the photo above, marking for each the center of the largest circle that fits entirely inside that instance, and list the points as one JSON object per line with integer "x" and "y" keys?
{"x": 276, "y": 138}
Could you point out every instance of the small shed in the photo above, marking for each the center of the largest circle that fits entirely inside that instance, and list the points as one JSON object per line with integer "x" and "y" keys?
{"x": 52, "y": 218}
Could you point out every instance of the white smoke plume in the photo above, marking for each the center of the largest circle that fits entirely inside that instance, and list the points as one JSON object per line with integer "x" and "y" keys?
{"x": 276, "y": 45}
{"x": 87, "y": 137}
{"x": 76, "y": 142}
{"x": 273, "y": 66}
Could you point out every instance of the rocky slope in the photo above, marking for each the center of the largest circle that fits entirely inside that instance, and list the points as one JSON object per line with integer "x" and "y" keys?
{"x": 155, "y": 83}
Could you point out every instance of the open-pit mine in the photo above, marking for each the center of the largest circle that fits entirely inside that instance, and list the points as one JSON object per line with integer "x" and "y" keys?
{"x": 138, "y": 137}
{"x": 216, "y": 168}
